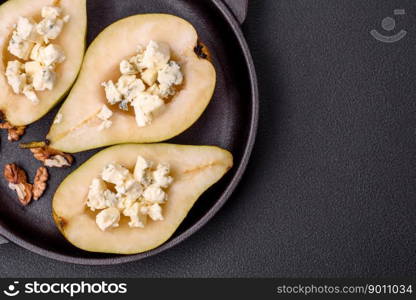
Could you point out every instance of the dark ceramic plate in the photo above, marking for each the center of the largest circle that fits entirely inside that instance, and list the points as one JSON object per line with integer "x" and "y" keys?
{"x": 230, "y": 122}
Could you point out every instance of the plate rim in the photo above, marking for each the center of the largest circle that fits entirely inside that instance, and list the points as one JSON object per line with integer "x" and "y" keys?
{"x": 235, "y": 26}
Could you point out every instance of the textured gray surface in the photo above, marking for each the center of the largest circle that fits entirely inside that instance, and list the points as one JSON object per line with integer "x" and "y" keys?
{"x": 330, "y": 190}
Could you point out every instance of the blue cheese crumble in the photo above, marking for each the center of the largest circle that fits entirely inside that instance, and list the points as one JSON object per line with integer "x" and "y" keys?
{"x": 137, "y": 195}
{"x": 33, "y": 70}
{"x": 147, "y": 80}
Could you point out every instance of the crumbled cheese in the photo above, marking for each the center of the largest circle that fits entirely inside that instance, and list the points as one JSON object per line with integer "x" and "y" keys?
{"x": 35, "y": 53}
{"x": 14, "y": 68}
{"x": 124, "y": 202}
{"x": 166, "y": 91}
{"x": 17, "y": 82}
{"x": 136, "y": 218}
{"x": 129, "y": 86}
{"x": 26, "y": 43}
{"x": 30, "y": 94}
{"x": 31, "y": 68}
{"x": 161, "y": 176}
{"x": 51, "y": 54}
{"x": 58, "y": 119}
{"x": 148, "y": 103}
{"x": 96, "y": 199}
{"x": 170, "y": 75}
{"x": 130, "y": 189}
{"x": 105, "y": 114}
{"x": 111, "y": 92}
{"x": 25, "y": 29}
{"x": 108, "y": 218}
{"x": 51, "y": 12}
{"x": 115, "y": 173}
{"x": 154, "y": 194}
{"x": 141, "y": 168}
{"x": 149, "y": 76}
{"x": 127, "y": 68}
{"x": 124, "y": 105}
{"x": 110, "y": 198}
{"x": 49, "y": 28}
{"x": 155, "y": 212}
{"x": 44, "y": 79}
{"x": 20, "y": 47}
{"x": 137, "y": 62}
{"x": 14, "y": 76}
{"x": 157, "y": 54}
{"x": 136, "y": 195}
{"x": 153, "y": 90}
{"x": 147, "y": 79}
{"x": 141, "y": 118}
{"x": 144, "y": 106}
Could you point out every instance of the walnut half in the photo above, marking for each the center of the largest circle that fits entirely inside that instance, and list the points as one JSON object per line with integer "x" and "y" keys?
{"x": 39, "y": 185}
{"x": 51, "y": 157}
{"x": 18, "y": 182}
{"x": 14, "y": 132}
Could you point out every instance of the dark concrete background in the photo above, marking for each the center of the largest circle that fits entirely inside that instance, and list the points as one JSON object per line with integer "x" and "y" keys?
{"x": 330, "y": 190}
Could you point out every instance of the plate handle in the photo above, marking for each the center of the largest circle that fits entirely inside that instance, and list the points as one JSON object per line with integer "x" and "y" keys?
{"x": 3, "y": 240}
{"x": 238, "y": 8}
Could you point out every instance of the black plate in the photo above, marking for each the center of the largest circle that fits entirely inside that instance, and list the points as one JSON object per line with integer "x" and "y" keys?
{"x": 230, "y": 122}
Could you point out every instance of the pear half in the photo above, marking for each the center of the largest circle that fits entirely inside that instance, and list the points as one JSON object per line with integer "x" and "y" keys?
{"x": 78, "y": 130}
{"x": 17, "y": 109}
{"x": 193, "y": 168}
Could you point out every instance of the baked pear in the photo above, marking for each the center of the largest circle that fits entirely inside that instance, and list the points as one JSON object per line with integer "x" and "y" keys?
{"x": 82, "y": 128}
{"x": 15, "y": 106}
{"x": 193, "y": 170}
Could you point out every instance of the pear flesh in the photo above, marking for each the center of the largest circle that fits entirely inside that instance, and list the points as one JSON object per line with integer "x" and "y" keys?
{"x": 17, "y": 108}
{"x": 80, "y": 126}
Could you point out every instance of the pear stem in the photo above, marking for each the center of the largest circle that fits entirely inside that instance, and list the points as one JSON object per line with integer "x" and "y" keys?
{"x": 32, "y": 145}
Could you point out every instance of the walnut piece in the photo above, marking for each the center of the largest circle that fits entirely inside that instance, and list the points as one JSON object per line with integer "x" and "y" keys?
{"x": 14, "y": 132}
{"x": 57, "y": 161}
{"x": 14, "y": 174}
{"x": 52, "y": 158}
{"x": 18, "y": 182}
{"x": 39, "y": 185}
